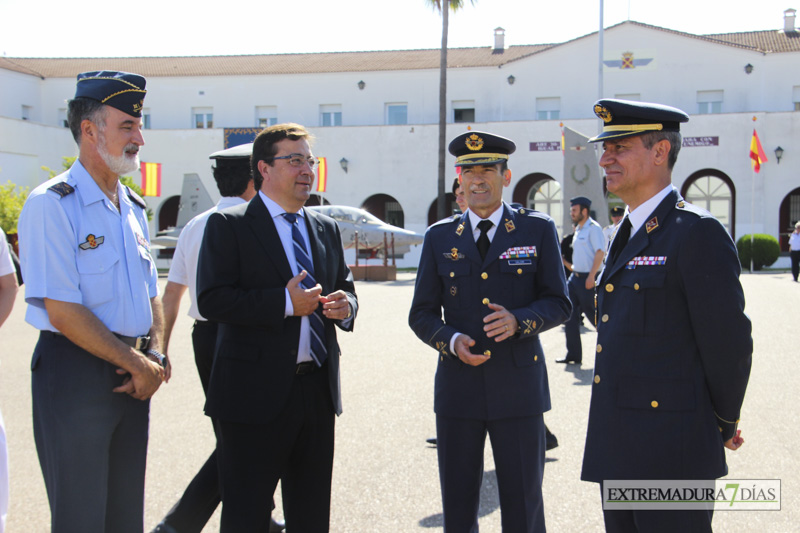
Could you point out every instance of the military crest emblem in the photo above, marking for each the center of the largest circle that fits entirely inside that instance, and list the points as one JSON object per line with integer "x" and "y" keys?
{"x": 530, "y": 325}
{"x": 651, "y": 224}
{"x": 454, "y": 255}
{"x": 91, "y": 242}
{"x": 474, "y": 142}
{"x": 510, "y": 226}
{"x": 460, "y": 229}
{"x": 603, "y": 112}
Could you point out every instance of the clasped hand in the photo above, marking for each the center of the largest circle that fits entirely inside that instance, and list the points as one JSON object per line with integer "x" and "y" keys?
{"x": 305, "y": 301}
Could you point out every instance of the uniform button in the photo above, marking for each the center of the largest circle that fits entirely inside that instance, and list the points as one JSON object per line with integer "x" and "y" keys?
{"x": 720, "y": 430}
{"x": 484, "y": 275}
{"x": 535, "y": 357}
{"x": 452, "y": 274}
{"x": 485, "y": 301}
{"x": 609, "y": 287}
{"x": 604, "y": 318}
{"x": 654, "y": 404}
{"x": 597, "y": 379}
{"x": 599, "y": 348}
{"x": 487, "y": 352}
{"x": 636, "y": 286}
{"x": 519, "y": 271}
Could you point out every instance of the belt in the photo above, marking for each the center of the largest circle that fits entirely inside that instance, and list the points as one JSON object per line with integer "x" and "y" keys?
{"x": 139, "y": 343}
{"x": 580, "y": 274}
{"x": 306, "y": 367}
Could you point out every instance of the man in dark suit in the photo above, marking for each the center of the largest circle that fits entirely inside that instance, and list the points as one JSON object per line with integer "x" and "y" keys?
{"x": 674, "y": 345}
{"x": 272, "y": 274}
{"x": 497, "y": 274}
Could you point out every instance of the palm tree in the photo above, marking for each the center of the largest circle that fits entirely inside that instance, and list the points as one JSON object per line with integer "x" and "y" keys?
{"x": 454, "y": 5}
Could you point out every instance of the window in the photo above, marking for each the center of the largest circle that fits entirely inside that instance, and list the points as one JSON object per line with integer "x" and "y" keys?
{"x": 396, "y": 114}
{"x": 146, "y": 118}
{"x": 26, "y": 112}
{"x": 636, "y": 97}
{"x": 709, "y": 102}
{"x": 548, "y": 108}
{"x": 545, "y": 196}
{"x": 266, "y": 115}
{"x": 714, "y": 195}
{"x": 330, "y": 115}
{"x": 203, "y": 117}
{"x": 796, "y": 97}
{"x": 62, "y": 117}
{"x": 463, "y": 111}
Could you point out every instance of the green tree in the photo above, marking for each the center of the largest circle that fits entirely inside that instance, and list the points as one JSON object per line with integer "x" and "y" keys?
{"x": 454, "y": 6}
{"x": 12, "y": 198}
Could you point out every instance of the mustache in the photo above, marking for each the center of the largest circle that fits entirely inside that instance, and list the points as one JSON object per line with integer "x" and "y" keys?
{"x": 131, "y": 149}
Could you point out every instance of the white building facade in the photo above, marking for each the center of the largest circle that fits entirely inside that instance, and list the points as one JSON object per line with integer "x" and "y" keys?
{"x": 379, "y": 112}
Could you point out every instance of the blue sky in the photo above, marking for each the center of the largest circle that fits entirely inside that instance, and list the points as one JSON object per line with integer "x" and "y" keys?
{"x": 49, "y": 28}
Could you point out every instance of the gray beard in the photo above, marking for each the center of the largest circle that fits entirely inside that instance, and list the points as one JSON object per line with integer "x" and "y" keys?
{"x": 121, "y": 164}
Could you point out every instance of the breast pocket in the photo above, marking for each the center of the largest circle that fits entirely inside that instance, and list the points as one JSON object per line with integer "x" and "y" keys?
{"x": 97, "y": 269}
{"x": 647, "y": 299}
{"x": 148, "y": 265}
{"x": 518, "y": 280}
{"x": 455, "y": 280}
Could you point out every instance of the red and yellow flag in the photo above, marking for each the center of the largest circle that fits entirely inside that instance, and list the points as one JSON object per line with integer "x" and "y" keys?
{"x": 322, "y": 174}
{"x": 151, "y": 179}
{"x": 757, "y": 153}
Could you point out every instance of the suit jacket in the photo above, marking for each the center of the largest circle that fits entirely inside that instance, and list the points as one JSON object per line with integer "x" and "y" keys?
{"x": 523, "y": 273}
{"x": 241, "y": 278}
{"x": 673, "y": 351}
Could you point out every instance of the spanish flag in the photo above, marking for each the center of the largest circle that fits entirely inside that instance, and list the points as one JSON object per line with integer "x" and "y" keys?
{"x": 151, "y": 179}
{"x": 757, "y": 153}
{"x": 322, "y": 174}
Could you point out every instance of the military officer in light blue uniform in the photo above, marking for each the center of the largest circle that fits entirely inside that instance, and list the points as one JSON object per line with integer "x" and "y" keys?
{"x": 91, "y": 288}
{"x": 674, "y": 345}
{"x": 496, "y": 274}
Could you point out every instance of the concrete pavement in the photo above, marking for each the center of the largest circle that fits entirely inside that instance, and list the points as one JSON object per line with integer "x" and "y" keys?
{"x": 385, "y": 476}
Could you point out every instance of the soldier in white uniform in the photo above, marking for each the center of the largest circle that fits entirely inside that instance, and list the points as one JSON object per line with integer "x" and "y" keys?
{"x": 8, "y": 293}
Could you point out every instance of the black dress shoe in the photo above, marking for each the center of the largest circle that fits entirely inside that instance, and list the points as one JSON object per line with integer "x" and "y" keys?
{"x": 276, "y": 526}
{"x": 568, "y": 361}
{"x": 550, "y": 440}
{"x": 431, "y": 441}
{"x": 163, "y": 527}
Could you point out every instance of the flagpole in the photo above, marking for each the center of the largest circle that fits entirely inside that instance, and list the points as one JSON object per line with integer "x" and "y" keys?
{"x": 752, "y": 214}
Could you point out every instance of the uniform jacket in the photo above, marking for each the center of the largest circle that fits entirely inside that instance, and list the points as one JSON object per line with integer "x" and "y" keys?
{"x": 241, "y": 278}
{"x": 673, "y": 351}
{"x": 522, "y": 272}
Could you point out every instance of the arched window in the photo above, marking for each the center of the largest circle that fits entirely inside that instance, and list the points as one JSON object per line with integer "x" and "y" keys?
{"x": 433, "y": 209}
{"x": 713, "y": 191}
{"x": 788, "y": 215}
{"x": 386, "y": 208}
{"x": 543, "y": 193}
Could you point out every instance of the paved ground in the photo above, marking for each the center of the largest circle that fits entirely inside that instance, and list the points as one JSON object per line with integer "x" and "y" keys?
{"x": 385, "y": 476}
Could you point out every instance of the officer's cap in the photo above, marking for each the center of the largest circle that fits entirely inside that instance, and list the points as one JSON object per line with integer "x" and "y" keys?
{"x": 242, "y": 151}
{"x": 623, "y": 118}
{"x": 580, "y": 200}
{"x": 480, "y": 148}
{"x": 122, "y": 90}
{"x": 617, "y": 211}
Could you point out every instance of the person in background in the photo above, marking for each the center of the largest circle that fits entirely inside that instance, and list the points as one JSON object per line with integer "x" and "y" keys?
{"x": 8, "y": 293}
{"x": 794, "y": 250}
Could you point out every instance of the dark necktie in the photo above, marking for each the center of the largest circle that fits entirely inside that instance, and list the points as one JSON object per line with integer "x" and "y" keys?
{"x": 621, "y": 239}
{"x": 483, "y": 240}
{"x": 319, "y": 352}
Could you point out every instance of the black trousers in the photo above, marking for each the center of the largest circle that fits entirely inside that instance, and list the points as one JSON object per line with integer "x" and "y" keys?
{"x": 91, "y": 442}
{"x": 295, "y": 447}
{"x": 795, "y": 257}
{"x": 201, "y": 497}
{"x": 654, "y": 521}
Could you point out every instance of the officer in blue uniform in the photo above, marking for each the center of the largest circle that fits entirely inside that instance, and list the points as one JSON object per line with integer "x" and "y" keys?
{"x": 674, "y": 345}
{"x": 496, "y": 274}
{"x": 91, "y": 290}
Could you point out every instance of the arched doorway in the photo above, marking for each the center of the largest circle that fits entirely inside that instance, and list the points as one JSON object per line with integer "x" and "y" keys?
{"x": 433, "y": 210}
{"x": 788, "y": 215}
{"x": 168, "y": 213}
{"x": 386, "y": 208}
{"x": 713, "y": 191}
{"x": 543, "y": 193}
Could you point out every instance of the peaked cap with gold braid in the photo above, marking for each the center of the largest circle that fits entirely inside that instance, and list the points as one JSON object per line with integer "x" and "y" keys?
{"x": 624, "y": 118}
{"x": 480, "y": 148}
{"x": 122, "y": 90}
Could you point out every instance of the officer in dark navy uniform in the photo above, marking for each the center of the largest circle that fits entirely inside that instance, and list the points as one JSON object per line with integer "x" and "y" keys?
{"x": 496, "y": 275}
{"x": 674, "y": 345}
{"x": 91, "y": 288}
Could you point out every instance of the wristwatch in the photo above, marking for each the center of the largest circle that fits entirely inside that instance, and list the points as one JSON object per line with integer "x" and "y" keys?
{"x": 158, "y": 356}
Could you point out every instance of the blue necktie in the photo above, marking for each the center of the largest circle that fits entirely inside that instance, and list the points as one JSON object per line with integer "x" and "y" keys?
{"x": 319, "y": 352}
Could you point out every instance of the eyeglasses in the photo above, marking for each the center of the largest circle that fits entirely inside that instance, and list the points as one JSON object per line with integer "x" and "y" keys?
{"x": 298, "y": 160}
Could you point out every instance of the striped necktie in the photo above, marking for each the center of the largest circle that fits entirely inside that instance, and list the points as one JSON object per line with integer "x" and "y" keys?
{"x": 319, "y": 352}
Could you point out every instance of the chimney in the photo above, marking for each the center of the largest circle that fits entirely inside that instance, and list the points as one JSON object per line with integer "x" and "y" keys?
{"x": 788, "y": 20}
{"x": 499, "y": 40}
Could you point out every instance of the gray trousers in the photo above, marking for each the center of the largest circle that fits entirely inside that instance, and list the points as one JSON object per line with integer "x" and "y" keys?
{"x": 92, "y": 442}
